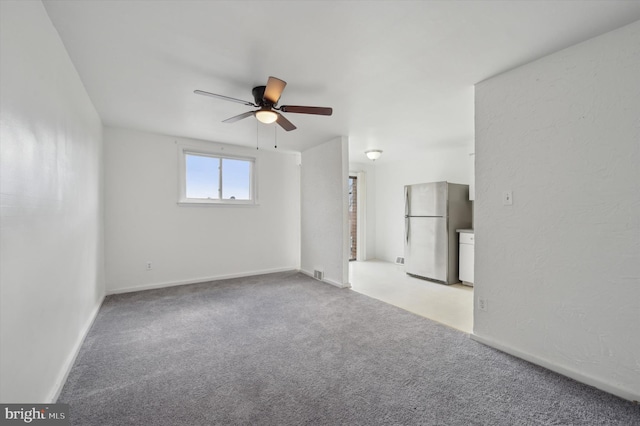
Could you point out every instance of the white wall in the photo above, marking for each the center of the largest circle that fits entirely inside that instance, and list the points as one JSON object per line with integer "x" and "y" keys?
{"x": 450, "y": 164}
{"x": 366, "y": 173}
{"x": 186, "y": 244}
{"x": 560, "y": 268}
{"x": 51, "y": 279}
{"x": 325, "y": 211}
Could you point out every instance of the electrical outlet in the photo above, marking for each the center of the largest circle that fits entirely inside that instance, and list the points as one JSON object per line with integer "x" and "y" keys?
{"x": 507, "y": 198}
{"x": 483, "y": 304}
{"x": 149, "y": 266}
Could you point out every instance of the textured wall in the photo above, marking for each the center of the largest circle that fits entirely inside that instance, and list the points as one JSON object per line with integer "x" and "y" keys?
{"x": 143, "y": 221}
{"x": 51, "y": 270}
{"x": 560, "y": 268}
{"x": 324, "y": 211}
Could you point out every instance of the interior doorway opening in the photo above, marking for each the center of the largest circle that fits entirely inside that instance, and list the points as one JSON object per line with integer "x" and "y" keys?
{"x": 353, "y": 217}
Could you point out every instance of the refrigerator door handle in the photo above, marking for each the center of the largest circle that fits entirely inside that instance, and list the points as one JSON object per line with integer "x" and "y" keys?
{"x": 406, "y": 229}
{"x": 406, "y": 201}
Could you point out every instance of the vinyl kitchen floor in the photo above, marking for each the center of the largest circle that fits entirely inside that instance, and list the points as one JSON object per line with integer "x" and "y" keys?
{"x": 451, "y": 305}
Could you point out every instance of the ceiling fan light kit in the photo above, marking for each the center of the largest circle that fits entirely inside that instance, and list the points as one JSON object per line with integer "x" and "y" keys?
{"x": 266, "y": 116}
{"x": 266, "y": 98}
{"x": 373, "y": 154}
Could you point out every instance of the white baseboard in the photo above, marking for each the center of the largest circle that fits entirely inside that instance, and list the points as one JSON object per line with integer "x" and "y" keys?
{"x": 198, "y": 280}
{"x": 327, "y": 280}
{"x": 71, "y": 358}
{"x": 576, "y": 375}
{"x": 337, "y": 284}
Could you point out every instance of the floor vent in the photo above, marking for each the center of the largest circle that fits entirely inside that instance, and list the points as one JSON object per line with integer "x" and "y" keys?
{"x": 318, "y": 275}
{"x": 400, "y": 260}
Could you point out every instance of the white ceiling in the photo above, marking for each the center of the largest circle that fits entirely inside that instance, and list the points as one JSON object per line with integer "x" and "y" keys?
{"x": 399, "y": 74}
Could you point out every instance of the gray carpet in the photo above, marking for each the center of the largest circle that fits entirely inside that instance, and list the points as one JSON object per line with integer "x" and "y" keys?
{"x": 284, "y": 349}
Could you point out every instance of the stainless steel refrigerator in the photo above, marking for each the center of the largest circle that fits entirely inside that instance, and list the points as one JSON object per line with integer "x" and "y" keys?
{"x": 433, "y": 212}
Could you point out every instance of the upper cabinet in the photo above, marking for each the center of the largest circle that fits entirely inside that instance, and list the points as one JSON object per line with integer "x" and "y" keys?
{"x": 472, "y": 178}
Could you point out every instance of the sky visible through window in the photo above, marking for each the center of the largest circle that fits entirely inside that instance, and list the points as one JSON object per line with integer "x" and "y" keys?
{"x": 235, "y": 179}
{"x": 203, "y": 178}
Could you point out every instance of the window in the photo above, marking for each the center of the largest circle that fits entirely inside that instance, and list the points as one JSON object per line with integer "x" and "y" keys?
{"x": 208, "y": 178}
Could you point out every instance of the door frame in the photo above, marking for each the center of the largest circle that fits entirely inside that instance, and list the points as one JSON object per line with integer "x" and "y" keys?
{"x": 361, "y": 216}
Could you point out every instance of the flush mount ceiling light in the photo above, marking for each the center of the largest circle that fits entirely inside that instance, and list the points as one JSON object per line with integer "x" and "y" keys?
{"x": 266, "y": 116}
{"x": 373, "y": 154}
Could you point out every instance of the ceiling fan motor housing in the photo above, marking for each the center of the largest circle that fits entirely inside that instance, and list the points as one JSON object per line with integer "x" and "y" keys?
{"x": 258, "y": 96}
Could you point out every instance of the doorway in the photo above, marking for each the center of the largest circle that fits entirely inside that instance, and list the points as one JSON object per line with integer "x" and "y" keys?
{"x": 353, "y": 217}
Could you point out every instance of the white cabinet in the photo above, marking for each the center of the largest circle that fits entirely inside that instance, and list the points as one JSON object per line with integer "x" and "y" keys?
{"x": 466, "y": 258}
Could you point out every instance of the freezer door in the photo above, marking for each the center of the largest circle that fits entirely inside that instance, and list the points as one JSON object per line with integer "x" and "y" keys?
{"x": 426, "y": 247}
{"x": 426, "y": 199}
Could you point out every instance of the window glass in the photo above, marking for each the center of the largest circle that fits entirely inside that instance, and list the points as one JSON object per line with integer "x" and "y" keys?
{"x": 236, "y": 179}
{"x": 202, "y": 176}
{"x": 209, "y": 178}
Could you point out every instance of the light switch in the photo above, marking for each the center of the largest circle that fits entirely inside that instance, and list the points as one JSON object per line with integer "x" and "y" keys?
{"x": 507, "y": 198}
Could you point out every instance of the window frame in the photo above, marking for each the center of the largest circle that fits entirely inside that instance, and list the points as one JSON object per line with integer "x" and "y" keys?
{"x": 182, "y": 178}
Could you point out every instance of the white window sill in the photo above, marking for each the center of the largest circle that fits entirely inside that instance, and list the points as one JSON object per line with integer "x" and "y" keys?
{"x": 218, "y": 203}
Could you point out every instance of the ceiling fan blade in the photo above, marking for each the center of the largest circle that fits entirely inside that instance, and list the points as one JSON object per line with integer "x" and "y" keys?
{"x": 239, "y": 117}
{"x": 306, "y": 109}
{"x": 274, "y": 89}
{"x": 284, "y": 123}
{"x": 225, "y": 98}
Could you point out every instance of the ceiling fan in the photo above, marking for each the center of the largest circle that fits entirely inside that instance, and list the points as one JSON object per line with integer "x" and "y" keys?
{"x": 266, "y": 98}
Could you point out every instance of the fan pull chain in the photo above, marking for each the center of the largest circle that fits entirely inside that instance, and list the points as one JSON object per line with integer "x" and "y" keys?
{"x": 256, "y": 134}
{"x": 275, "y": 135}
